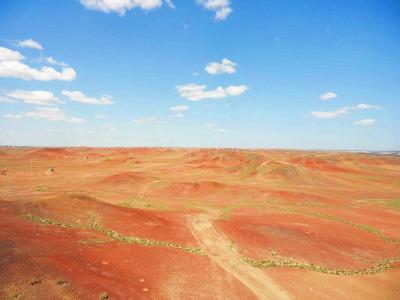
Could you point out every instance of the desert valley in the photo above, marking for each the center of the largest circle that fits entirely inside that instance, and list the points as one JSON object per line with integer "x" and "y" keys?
{"x": 169, "y": 223}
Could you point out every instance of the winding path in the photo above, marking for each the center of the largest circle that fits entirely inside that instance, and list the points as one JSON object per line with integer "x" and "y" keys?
{"x": 218, "y": 249}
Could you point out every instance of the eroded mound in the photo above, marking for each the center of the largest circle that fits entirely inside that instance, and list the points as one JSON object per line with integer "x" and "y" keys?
{"x": 126, "y": 178}
{"x": 198, "y": 223}
{"x": 193, "y": 189}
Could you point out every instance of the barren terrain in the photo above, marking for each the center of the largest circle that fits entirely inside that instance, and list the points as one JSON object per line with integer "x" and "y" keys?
{"x": 157, "y": 223}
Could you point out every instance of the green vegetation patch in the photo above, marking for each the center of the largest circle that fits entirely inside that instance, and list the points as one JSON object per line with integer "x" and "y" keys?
{"x": 41, "y": 188}
{"x": 286, "y": 263}
{"x": 395, "y": 203}
{"x": 130, "y": 239}
{"x": 364, "y": 227}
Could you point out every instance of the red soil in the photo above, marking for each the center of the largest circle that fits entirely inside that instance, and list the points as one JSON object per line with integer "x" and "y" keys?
{"x": 193, "y": 189}
{"x": 337, "y": 210}
{"x": 308, "y": 239}
{"x": 125, "y": 178}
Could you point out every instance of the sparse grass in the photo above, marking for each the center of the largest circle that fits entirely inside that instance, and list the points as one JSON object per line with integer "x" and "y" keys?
{"x": 291, "y": 263}
{"x": 35, "y": 281}
{"x": 227, "y": 210}
{"x": 274, "y": 261}
{"x": 130, "y": 239}
{"x": 395, "y": 203}
{"x": 41, "y": 188}
{"x": 364, "y": 227}
{"x": 387, "y": 203}
{"x": 61, "y": 282}
{"x": 144, "y": 203}
{"x": 232, "y": 245}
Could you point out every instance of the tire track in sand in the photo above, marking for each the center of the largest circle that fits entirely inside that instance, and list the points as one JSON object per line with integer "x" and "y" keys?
{"x": 218, "y": 249}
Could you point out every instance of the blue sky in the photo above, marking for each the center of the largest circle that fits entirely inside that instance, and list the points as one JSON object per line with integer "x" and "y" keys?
{"x": 207, "y": 73}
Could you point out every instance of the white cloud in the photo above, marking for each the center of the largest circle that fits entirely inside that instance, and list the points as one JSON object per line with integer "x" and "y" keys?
{"x": 330, "y": 114}
{"x": 76, "y": 120}
{"x": 364, "y": 106}
{"x": 222, "y": 130}
{"x": 121, "y": 6}
{"x": 170, "y": 4}
{"x": 179, "y": 108}
{"x": 6, "y": 100}
{"x": 34, "y": 97}
{"x": 221, "y": 8}
{"x": 52, "y": 114}
{"x": 365, "y": 122}
{"x": 19, "y": 70}
{"x": 11, "y": 66}
{"x": 146, "y": 120}
{"x": 11, "y": 116}
{"x": 82, "y": 98}
{"x": 197, "y": 92}
{"x": 29, "y": 43}
{"x": 343, "y": 111}
{"x": 328, "y": 96}
{"x": 10, "y": 55}
{"x": 51, "y": 61}
{"x": 226, "y": 66}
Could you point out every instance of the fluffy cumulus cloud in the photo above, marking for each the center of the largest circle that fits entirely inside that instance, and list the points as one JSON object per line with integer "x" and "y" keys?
{"x": 52, "y": 114}
{"x": 29, "y": 43}
{"x": 328, "y": 96}
{"x": 222, "y": 8}
{"x": 122, "y": 6}
{"x": 179, "y": 108}
{"x": 225, "y": 66}
{"x": 82, "y": 98}
{"x": 10, "y": 55}
{"x": 33, "y": 97}
{"x": 11, "y": 65}
{"x": 365, "y": 122}
{"x": 197, "y": 92}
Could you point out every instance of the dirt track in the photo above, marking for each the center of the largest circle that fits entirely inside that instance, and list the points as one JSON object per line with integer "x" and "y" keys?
{"x": 220, "y": 251}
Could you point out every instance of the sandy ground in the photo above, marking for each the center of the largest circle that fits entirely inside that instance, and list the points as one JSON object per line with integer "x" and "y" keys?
{"x": 218, "y": 249}
{"x": 155, "y": 223}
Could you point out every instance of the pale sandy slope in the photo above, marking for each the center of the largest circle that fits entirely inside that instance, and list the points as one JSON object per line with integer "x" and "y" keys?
{"x": 218, "y": 249}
